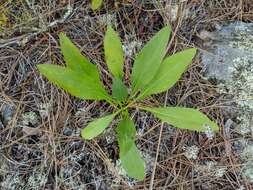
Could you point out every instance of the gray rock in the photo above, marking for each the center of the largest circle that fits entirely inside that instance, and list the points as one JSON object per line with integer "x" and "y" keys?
{"x": 67, "y": 131}
{"x": 229, "y": 60}
{"x": 232, "y": 46}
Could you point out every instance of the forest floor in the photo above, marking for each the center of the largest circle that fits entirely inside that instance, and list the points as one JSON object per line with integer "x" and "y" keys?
{"x": 40, "y": 143}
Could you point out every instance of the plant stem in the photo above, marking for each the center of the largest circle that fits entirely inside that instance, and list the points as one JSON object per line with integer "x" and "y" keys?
{"x": 111, "y": 101}
{"x": 137, "y": 106}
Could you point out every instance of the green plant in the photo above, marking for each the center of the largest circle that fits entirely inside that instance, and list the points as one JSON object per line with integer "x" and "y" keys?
{"x": 95, "y": 4}
{"x": 152, "y": 73}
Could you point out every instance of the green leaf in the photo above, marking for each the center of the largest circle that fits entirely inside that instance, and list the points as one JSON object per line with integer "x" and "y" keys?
{"x": 75, "y": 60}
{"x": 95, "y": 4}
{"x": 114, "y": 55}
{"x": 119, "y": 90}
{"x": 184, "y": 118}
{"x": 149, "y": 59}
{"x": 81, "y": 86}
{"x": 96, "y": 127}
{"x": 129, "y": 154}
{"x": 126, "y": 128}
{"x": 169, "y": 72}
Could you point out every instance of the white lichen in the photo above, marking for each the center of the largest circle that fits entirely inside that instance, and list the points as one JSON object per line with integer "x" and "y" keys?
{"x": 28, "y": 118}
{"x": 209, "y": 132}
{"x": 191, "y": 152}
{"x": 120, "y": 169}
{"x": 244, "y": 127}
{"x": 244, "y": 40}
{"x": 110, "y": 135}
{"x": 210, "y": 168}
{"x": 68, "y": 177}
{"x": 37, "y": 180}
{"x": 247, "y": 153}
{"x": 173, "y": 11}
{"x": 12, "y": 182}
{"x": 107, "y": 19}
{"x": 131, "y": 47}
{"x": 149, "y": 160}
{"x": 247, "y": 172}
{"x": 220, "y": 171}
{"x": 44, "y": 109}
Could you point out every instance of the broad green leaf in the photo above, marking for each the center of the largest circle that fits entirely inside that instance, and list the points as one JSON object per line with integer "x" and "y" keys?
{"x": 114, "y": 55}
{"x": 185, "y": 118}
{"x": 126, "y": 128}
{"x": 129, "y": 154}
{"x": 96, "y": 127}
{"x": 119, "y": 90}
{"x": 169, "y": 72}
{"x": 95, "y": 4}
{"x": 149, "y": 60}
{"x": 75, "y": 60}
{"x": 132, "y": 162}
{"x": 81, "y": 86}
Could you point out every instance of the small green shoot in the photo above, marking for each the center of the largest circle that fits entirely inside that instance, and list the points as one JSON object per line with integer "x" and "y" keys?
{"x": 152, "y": 73}
{"x": 96, "y": 4}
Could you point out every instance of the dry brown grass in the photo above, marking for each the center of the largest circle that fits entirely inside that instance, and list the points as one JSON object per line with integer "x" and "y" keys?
{"x": 52, "y": 151}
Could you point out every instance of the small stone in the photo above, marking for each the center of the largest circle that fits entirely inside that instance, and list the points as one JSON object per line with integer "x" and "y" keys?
{"x": 7, "y": 111}
{"x": 71, "y": 132}
{"x": 67, "y": 131}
